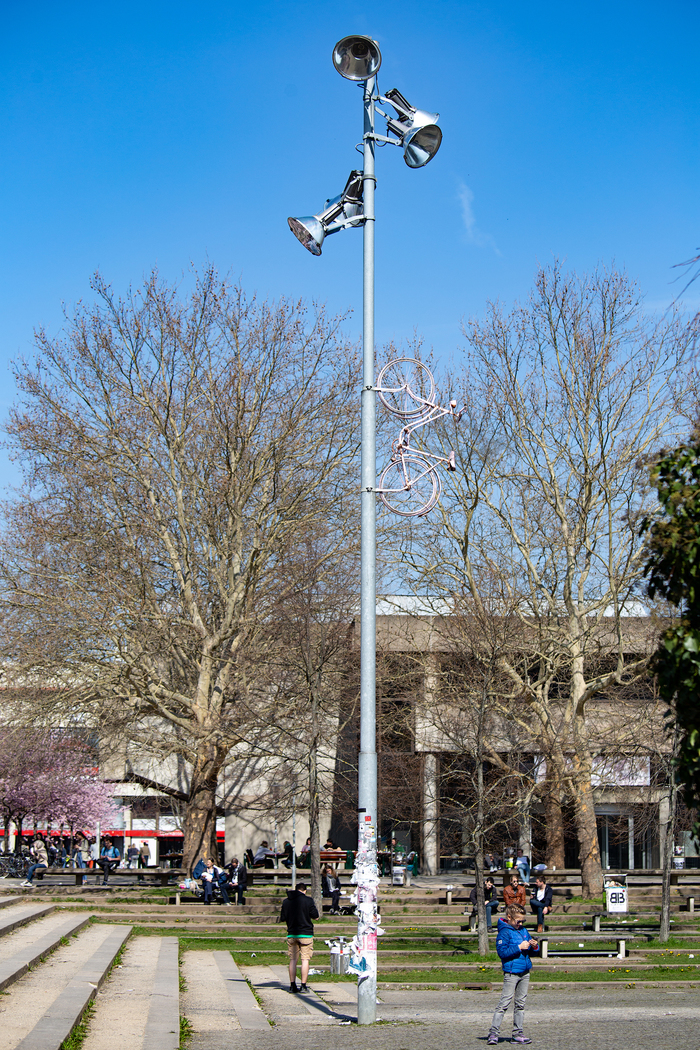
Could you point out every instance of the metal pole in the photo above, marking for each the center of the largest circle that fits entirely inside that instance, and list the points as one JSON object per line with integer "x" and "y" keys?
{"x": 367, "y": 780}
{"x": 294, "y": 843}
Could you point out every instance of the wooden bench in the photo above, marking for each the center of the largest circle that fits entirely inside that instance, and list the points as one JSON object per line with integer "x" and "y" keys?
{"x": 80, "y": 875}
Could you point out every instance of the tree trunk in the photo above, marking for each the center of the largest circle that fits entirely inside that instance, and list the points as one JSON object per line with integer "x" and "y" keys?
{"x": 588, "y": 849}
{"x": 200, "y": 811}
{"x": 479, "y": 865}
{"x": 667, "y": 860}
{"x": 554, "y": 829}
{"x": 314, "y": 830}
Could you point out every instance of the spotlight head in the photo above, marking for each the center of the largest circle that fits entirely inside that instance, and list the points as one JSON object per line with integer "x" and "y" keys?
{"x": 309, "y": 231}
{"x": 339, "y": 213}
{"x": 416, "y": 130}
{"x": 421, "y": 145}
{"x": 357, "y": 57}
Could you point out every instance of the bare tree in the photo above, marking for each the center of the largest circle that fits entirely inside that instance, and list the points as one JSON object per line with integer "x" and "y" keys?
{"x": 174, "y": 447}
{"x": 312, "y": 668}
{"x": 488, "y": 781}
{"x": 563, "y": 397}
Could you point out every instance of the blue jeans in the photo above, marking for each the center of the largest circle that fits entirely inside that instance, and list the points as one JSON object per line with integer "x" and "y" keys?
{"x": 515, "y": 985}
{"x": 33, "y": 868}
{"x": 537, "y": 909}
{"x": 491, "y": 907}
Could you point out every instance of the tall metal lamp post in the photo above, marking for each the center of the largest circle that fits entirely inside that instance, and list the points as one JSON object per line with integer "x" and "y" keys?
{"x": 358, "y": 58}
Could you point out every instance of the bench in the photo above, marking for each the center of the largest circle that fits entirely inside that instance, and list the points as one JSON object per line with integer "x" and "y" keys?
{"x": 161, "y": 875}
{"x": 620, "y": 951}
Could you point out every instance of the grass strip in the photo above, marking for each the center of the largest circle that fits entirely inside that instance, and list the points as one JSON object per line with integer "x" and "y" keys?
{"x": 622, "y": 974}
{"x": 77, "y": 1037}
{"x": 186, "y": 1031}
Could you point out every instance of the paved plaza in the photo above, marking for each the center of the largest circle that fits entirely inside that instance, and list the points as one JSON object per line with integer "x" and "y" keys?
{"x": 603, "y": 1018}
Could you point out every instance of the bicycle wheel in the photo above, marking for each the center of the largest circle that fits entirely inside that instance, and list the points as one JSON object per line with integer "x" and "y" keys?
{"x": 406, "y": 387}
{"x": 410, "y": 486}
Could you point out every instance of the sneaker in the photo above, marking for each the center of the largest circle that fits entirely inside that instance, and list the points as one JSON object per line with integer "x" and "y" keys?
{"x": 492, "y": 1039}
{"x": 25, "y": 883}
{"x": 304, "y": 988}
{"x": 520, "y": 1039}
{"x": 293, "y": 987}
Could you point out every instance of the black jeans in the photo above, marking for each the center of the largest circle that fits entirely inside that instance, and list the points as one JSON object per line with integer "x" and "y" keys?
{"x": 108, "y": 865}
{"x": 335, "y": 899}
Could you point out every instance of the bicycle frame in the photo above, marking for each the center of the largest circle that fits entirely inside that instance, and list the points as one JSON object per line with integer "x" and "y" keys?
{"x": 403, "y": 453}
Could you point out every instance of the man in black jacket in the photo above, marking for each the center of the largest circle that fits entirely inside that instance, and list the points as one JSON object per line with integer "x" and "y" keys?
{"x": 238, "y": 879}
{"x": 490, "y": 902}
{"x": 541, "y": 901}
{"x": 297, "y": 911}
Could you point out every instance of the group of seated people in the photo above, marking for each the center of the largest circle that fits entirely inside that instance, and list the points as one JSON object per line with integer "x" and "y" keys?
{"x": 515, "y": 893}
{"x": 232, "y": 879}
{"x": 264, "y": 857}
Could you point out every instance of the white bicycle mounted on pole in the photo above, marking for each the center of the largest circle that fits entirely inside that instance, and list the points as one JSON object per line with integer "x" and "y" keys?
{"x": 410, "y": 485}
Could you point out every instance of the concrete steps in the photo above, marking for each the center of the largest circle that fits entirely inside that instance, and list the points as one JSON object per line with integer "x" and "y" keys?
{"x": 45, "y": 1005}
{"x": 12, "y": 918}
{"x": 28, "y": 945}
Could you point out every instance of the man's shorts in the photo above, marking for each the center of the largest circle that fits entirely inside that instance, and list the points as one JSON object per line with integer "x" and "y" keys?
{"x": 300, "y": 946}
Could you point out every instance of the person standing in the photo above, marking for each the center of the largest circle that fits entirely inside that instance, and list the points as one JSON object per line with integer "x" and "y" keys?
{"x": 81, "y": 851}
{"x": 81, "y": 854}
{"x": 514, "y": 893}
{"x": 297, "y": 912}
{"x": 541, "y": 901}
{"x": 144, "y": 857}
{"x": 514, "y": 946}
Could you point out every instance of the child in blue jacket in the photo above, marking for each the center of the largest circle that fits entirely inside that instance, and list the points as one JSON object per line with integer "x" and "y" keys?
{"x": 514, "y": 946}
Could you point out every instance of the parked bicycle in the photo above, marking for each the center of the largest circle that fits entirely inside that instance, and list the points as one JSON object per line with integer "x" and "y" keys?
{"x": 410, "y": 485}
{"x": 14, "y": 865}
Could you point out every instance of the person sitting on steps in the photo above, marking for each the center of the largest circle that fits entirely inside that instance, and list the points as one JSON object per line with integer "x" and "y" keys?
{"x": 331, "y": 887}
{"x": 514, "y": 892}
{"x": 541, "y": 901}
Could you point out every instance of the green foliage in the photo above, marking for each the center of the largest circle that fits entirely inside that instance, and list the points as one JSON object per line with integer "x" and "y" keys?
{"x": 673, "y": 570}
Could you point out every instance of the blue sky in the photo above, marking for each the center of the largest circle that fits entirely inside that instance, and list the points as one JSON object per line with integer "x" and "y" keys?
{"x": 153, "y": 134}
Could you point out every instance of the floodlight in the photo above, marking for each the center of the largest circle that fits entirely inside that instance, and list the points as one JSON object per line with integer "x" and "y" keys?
{"x": 357, "y": 57}
{"x": 338, "y": 214}
{"x": 416, "y": 130}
